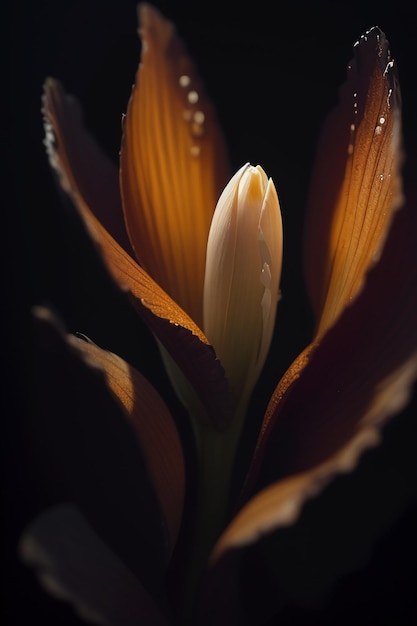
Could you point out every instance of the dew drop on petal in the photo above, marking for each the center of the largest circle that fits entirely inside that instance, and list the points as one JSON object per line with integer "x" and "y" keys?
{"x": 192, "y": 97}
{"x": 266, "y": 276}
{"x": 184, "y": 80}
{"x": 187, "y": 115}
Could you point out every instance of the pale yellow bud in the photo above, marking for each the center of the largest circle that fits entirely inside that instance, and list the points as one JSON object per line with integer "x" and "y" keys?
{"x": 243, "y": 270}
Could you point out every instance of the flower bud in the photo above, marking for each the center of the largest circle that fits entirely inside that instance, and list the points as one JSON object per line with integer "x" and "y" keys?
{"x": 243, "y": 270}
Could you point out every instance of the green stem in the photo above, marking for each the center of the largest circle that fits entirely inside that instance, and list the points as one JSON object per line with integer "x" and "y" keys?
{"x": 217, "y": 452}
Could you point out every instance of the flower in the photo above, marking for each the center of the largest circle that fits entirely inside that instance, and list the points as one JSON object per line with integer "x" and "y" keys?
{"x": 243, "y": 269}
{"x": 327, "y": 408}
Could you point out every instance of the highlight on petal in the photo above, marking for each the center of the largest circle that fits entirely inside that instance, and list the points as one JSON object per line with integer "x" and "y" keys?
{"x": 279, "y": 504}
{"x": 73, "y": 564}
{"x": 243, "y": 270}
{"x": 154, "y": 427}
{"x": 181, "y": 336}
{"x": 356, "y": 184}
{"x": 84, "y": 171}
{"x": 173, "y": 164}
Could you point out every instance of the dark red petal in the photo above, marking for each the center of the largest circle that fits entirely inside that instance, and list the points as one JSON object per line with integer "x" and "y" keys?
{"x": 360, "y": 373}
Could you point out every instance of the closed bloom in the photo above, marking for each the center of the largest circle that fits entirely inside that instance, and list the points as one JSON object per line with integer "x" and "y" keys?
{"x": 199, "y": 254}
{"x": 243, "y": 269}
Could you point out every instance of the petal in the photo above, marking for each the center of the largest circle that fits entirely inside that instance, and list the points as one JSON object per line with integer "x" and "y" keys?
{"x": 173, "y": 164}
{"x": 243, "y": 271}
{"x": 84, "y": 171}
{"x": 272, "y": 559}
{"x": 358, "y": 376}
{"x": 92, "y": 445}
{"x": 175, "y": 329}
{"x": 73, "y": 564}
{"x": 280, "y": 504}
{"x": 153, "y": 424}
{"x": 356, "y": 187}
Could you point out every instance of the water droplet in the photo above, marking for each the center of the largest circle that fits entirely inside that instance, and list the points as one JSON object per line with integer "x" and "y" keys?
{"x": 184, "y": 80}
{"x": 197, "y": 130}
{"x": 382, "y": 120}
{"x": 192, "y": 97}
{"x": 266, "y": 276}
{"x": 381, "y": 177}
{"x": 378, "y": 130}
{"x": 350, "y": 149}
{"x": 199, "y": 117}
{"x": 389, "y": 67}
{"x": 195, "y": 151}
{"x": 352, "y": 127}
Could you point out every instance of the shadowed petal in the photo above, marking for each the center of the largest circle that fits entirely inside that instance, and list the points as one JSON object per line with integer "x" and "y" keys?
{"x": 173, "y": 164}
{"x": 153, "y": 424}
{"x": 74, "y": 565}
{"x": 183, "y": 339}
{"x": 92, "y": 444}
{"x": 356, "y": 186}
{"x": 84, "y": 171}
{"x": 294, "y": 562}
{"x": 359, "y": 374}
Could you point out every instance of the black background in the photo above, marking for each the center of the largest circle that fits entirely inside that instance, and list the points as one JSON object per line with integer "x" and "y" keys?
{"x": 273, "y": 70}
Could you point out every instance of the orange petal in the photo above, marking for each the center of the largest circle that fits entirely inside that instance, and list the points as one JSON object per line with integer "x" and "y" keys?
{"x": 183, "y": 339}
{"x": 84, "y": 171}
{"x": 73, "y": 564}
{"x": 356, "y": 186}
{"x": 153, "y": 424}
{"x": 173, "y": 164}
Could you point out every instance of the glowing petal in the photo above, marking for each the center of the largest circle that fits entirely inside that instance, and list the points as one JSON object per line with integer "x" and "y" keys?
{"x": 172, "y": 166}
{"x": 243, "y": 270}
{"x": 356, "y": 186}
